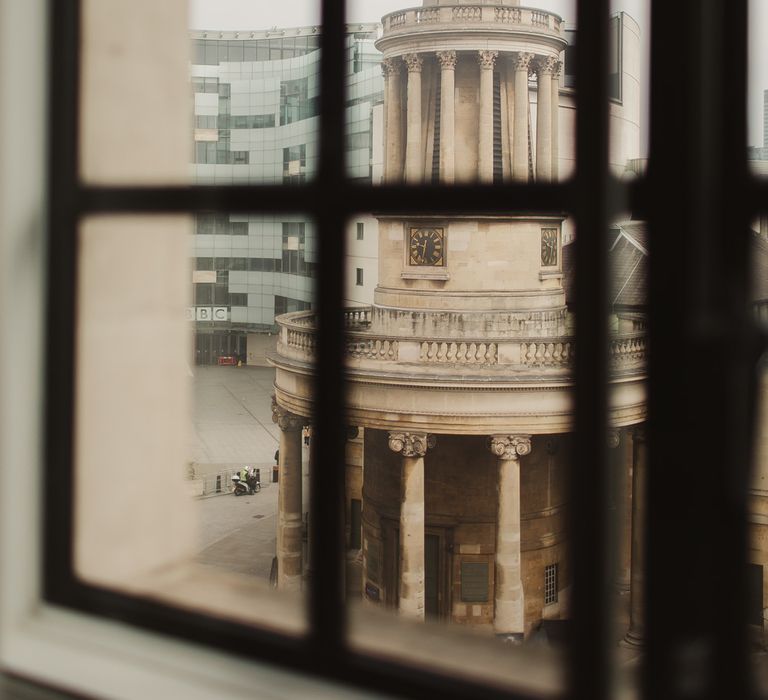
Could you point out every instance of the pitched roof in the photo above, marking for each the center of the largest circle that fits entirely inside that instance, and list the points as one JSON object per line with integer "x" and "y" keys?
{"x": 627, "y": 265}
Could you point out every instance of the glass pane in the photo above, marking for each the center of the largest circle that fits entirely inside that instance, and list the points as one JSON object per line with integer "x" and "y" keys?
{"x": 629, "y": 86}
{"x": 459, "y": 351}
{"x": 235, "y": 97}
{"x": 511, "y": 108}
{"x": 628, "y": 265}
{"x": 135, "y": 105}
{"x": 259, "y": 122}
{"x": 757, "y": 97}
{"x": 177, "y": 418}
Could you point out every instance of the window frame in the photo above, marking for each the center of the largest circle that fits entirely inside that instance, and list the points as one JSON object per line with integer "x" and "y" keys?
{"x": 593, "y": 196}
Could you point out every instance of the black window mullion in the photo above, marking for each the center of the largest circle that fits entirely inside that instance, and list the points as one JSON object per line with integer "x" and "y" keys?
{"x": 63, "y": 150}
{"x": 326, "y": 595}
{"x": 589, "y": 660}
{"x": 703, "y": 345}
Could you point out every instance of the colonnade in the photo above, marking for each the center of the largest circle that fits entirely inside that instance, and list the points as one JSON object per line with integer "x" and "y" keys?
{"x": 509, "y": 600}
{"x": 516, "y": 69}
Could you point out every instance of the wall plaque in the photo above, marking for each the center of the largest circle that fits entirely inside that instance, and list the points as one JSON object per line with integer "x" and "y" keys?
{"x": 474, "y": 582}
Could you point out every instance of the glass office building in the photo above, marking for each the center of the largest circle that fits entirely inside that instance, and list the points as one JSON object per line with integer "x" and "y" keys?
{"x": 256, "y": 100}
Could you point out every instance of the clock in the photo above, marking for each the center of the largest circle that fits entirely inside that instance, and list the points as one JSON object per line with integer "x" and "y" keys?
{"x": 549, "y": 247}
{"x": 426, "y": 247}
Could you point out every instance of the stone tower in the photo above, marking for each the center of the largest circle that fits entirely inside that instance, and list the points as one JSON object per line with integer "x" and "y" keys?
{"x": 458, "y": 109}
{"x": 459, "y": 379}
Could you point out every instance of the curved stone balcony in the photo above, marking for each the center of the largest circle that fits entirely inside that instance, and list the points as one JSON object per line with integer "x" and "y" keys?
{"x": 467, "y": 386}
{"x": 424, "y": 22}
{"x": 366, "y": 350}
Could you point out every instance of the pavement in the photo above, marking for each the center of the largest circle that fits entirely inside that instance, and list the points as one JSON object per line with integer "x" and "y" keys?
{"x": 232, "y": 427}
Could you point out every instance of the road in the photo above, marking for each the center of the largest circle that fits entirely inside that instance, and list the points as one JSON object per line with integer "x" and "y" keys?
{"x": 232, "y": 427}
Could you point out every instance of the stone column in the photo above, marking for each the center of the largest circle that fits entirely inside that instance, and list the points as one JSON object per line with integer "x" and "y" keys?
{"x": 414, "y": 157}
{"x": 486, "y": 59}
{"x": 509, "y": 618}
{"x": 634, "y": 636}
{"x": 620, "y": 500}
{"x": 447, "y": 107}
{"x": 413, "y": 447}
{"x": 522, "y": 63}
{"x": 544, "y": 69}
{"x": 289, "y": 517}
{"x": 555, "y": 175}
{"x": 393, "y": 129}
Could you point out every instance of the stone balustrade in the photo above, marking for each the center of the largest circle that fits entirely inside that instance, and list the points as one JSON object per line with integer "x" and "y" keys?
{"x": 297, "y": 340}
{"x": 455, "y": 16}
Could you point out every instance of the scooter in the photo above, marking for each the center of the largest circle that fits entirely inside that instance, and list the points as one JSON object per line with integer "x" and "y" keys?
{"x": 248, "y": 487}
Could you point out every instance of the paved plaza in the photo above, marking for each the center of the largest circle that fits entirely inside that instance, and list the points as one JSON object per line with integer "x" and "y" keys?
{"x": 232, "y": 421}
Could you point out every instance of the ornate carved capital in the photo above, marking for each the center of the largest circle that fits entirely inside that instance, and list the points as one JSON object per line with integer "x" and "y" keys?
{"x": 414, "y": 62}
{"x": 547, "y": 65}
{"x": 286, "y": 420}
{"x": 447, "y": 59}
{"x": 557, "y": 70}
{"x": 510, "y": 446}
{"x": 522, "y": 61}
{"x": 613, "y": 438}
{"x": 411, "y": 444}
{"x": 487, "y": 59}
{"x": 390, "y": 66}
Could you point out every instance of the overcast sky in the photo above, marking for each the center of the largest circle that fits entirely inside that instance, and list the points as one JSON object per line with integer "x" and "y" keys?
{"x": 262, "y": 14}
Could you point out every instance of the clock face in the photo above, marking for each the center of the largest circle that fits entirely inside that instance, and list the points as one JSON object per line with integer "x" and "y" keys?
{"x": 548, "y": 247}
{"x": 426, "y": 246}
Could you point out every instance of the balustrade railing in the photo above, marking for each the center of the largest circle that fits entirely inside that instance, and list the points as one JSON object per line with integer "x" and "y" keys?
{"x": 627, "y": 351}
{"x": 468, "y": 13}
{"x": 430, "y": 14}
{"x": 557, "y": 352}
{"x": 469, "y": 353}
{"x": 463, "y": 14}
{"x": 508, "y": 14}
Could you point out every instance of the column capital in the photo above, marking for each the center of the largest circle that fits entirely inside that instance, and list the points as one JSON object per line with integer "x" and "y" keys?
{"x": 286, "y": 420}
{"x": 522, "y": 61}
{"x": 639, "y": 433}
{"x": 413, "y": 62}
{"x": 557, "y": 70}
{"x": 547, "y": 65}
{"x": 510, "y": 446}
{"x": 613, "y": 438}
{"x": 447, "y": 59}
{"x": 411, "y": 444}
{"x": 487, "y": 59}
{"x": 390, "y": 66}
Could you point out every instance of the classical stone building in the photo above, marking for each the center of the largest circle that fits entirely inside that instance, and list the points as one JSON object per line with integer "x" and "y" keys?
{"x": 460, "y": 373}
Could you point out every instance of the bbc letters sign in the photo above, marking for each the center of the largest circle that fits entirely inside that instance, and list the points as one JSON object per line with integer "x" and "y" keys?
{"x": 207, "y": 313}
